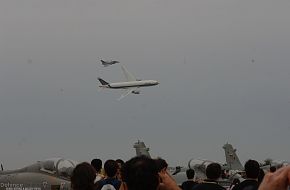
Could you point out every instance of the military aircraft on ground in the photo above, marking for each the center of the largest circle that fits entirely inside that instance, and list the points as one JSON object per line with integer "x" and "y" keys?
{"x": 276, "y": 163}
{"x": 232, "y": 167}
{"x": 108, "y": 63}
{"x": 233, "y": 164}
{"x": 141, "y": 149}
{"x": 50, "y": 174}
{"x": 131, "y": 85}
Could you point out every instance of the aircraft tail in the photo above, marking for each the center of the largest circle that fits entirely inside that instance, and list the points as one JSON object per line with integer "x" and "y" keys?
{"x": 103, "y": 82}
{"x": 103, "y": 62}
{"x": 233, "y": 162}
{"x": 141, "y": 149}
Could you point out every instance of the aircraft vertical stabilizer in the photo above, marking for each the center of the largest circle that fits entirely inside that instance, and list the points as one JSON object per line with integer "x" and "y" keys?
{"x": 233, "y": 162}
{"x": 141, "y": 149}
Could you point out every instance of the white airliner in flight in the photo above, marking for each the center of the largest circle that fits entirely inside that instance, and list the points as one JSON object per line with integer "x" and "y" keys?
{"x": 132, "y": 85}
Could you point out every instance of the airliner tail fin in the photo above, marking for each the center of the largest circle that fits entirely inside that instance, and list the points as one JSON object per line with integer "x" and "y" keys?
{"x": 103, "y": 82}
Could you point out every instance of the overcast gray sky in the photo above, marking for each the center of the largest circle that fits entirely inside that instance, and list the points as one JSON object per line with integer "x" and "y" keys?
{"x": 223, "y": 68}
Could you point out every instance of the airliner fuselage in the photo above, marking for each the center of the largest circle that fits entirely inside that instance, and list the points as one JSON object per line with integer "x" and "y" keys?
{"x": 130, "y": 84}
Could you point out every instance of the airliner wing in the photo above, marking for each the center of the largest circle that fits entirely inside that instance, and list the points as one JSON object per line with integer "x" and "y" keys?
{"x": 127, "y": 92}
{"x": 128, "y": 75}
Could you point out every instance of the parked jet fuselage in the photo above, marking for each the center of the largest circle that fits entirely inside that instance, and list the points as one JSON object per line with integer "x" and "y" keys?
{"x": 53, "y": 174}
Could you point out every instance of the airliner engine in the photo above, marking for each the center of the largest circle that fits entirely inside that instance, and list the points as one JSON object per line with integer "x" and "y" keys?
{"x": 136, "y": 92}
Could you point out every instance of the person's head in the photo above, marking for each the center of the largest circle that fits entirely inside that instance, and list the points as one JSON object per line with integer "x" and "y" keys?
{"x": 97, "y": 164}
{"x": 83, "y": 177}
{"x": 111, "y": 168}
{"x": 190, "y": 173}
{"x": 120, "y": 165}
{"x": 213, "y": 171}
{"x": 272, "y": 169}
{"x": 252, "y": 169}
{"x": 161, "y": 164}
{"x": 120, "y": 162}
{"x": 140, "y": 173}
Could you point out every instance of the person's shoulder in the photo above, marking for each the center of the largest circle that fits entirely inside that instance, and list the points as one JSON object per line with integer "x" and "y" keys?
{"x": 101, "y": 182}
{"x": 99, "y": 178}
{"x": 112, "y": 182}
{"x": 208, "y": 186}
{"x": 188, "y": 184}
{"x": 116, "y": 183}
{"x": 214, "y": 186}
{"x": 108, "y": 181}
{"x": 247, "y": 185}
{"x": 218, "y": 187}
{"x": 198, "y": 186}
{"x": 185, "y": 182}
{"x": 249, "y": 182}
{"x": 191, "y": 182}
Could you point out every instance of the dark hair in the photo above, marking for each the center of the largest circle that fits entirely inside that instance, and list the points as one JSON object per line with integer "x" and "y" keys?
{"x": 140, "y": 173}
{"x": 83, "y": 177}
{"x": 161, "y": 164}
{"x": 111, "y": 168}
{"x": 120, "y": 161}
{"x": 97, "y": 164}
{"x": 190, "y": 173}
{"x": 272, "y": 169}
{"x": 213, "y": 171}
{"x": 252, "y": 168}
{"x": 261, "y": 176}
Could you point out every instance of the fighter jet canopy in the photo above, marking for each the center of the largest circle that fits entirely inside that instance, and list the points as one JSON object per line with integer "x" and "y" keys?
{"x": 59, "y": 166}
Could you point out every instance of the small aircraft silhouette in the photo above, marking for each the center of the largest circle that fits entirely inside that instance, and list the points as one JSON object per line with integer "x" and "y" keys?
{"x": 108, "y": 63}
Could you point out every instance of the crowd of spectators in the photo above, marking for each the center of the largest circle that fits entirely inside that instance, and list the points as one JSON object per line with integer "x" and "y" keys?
{"x": 144, "y": 173}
